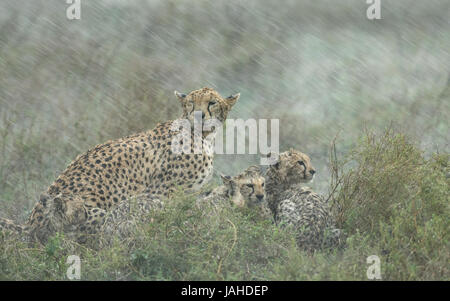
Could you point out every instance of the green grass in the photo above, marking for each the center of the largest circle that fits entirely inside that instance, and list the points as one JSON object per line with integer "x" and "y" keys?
{"x": 391, "y": 201}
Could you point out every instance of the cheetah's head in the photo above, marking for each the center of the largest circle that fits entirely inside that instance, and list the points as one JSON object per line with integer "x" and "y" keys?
{"x": 56, "y": 214}
{"x": 207, "y": 103}
{"x": 246, "y": 189}
{"x": 69, "y": 211}
{"x": 292, "y": 167}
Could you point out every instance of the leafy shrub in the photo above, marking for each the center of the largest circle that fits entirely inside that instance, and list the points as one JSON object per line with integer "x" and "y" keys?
{"x": 400, "y": 200}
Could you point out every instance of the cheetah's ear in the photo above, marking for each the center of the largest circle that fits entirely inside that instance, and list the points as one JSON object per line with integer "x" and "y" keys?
{"x": 231, "y": 100}
{"x": 60, "y": 205}
{"x": 271, "y": 154}
{"x": 272, "y": 159}
{"x": 253, "y": 169}
{"x": 180, "y": 96}
{"x": 226, "y": 179}
{"x": 43, "y": 199}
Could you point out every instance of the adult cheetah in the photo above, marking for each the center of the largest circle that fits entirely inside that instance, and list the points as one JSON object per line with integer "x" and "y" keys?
{"x": 119, "y": 169}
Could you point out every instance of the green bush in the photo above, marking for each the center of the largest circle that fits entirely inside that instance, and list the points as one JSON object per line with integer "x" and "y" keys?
{"x": 400, "y": 200}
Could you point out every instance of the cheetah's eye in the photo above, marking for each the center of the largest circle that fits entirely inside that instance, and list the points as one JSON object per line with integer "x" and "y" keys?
{"x": 211, "y": 103}
{"x": 262, "y": 184}
{"x": 249, "y": 185}
{"x": 302, "y": 163}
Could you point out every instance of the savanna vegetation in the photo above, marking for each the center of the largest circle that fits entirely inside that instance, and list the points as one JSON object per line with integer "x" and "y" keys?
{"x": 367, "y": 100}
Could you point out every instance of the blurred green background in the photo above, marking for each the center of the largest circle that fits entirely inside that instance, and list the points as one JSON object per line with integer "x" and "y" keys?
{"x": 321, "y": 67}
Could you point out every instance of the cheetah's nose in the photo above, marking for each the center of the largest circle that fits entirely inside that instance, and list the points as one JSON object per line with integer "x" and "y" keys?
{"x": 312, "y": 172}
{"x": 259, "y": 197}
{"x": 203, "y": 115}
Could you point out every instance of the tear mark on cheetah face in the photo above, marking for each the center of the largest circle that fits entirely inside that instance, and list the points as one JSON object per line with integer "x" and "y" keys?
{"x": 208, "y": 102}
{"x": 292, "y": 167}
{"x": 246, "y": 189}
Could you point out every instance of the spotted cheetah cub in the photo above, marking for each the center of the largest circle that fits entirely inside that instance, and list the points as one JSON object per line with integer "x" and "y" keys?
{"x": 60, "y": 213}
{"x": 309, "y": 214}
{"x": 243, "y": 190}
{"x": 299, "y": 207}
{"x": 292, "y": 169}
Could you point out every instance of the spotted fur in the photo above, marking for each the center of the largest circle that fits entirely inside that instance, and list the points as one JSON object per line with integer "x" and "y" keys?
{"x": 243, "y": 190}
{"x": 121, "y": 222}
{"x": 310, "y": 216}
{"x": 291, "y": 168}
{"x": 297, "y": 206}
{"x": 117, "y": 170}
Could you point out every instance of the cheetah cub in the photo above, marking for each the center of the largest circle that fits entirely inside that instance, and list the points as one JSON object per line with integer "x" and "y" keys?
{"x": 244, "y": 190}
{"x": 299, "y": 207}
{"x": 309, "y": 214}
{"x": 292, "y": 169}
{"x": 61, "y": 213}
